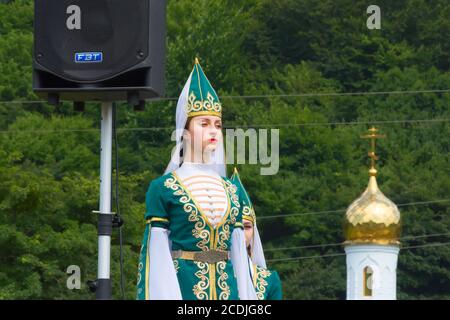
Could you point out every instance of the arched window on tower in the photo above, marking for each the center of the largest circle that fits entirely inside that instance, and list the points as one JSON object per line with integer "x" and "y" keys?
{"x": 367, "y": 281}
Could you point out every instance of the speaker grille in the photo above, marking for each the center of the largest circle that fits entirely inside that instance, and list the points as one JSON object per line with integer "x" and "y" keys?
{"x": 118, "y": 29}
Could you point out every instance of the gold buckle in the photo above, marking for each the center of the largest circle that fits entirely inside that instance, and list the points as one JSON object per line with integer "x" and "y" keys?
{"x": 210, "y": 256}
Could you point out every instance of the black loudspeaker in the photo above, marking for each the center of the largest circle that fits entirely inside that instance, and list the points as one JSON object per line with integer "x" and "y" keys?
{"x": 107, "y": 50}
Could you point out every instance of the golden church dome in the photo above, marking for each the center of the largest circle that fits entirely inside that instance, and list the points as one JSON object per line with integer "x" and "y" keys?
{"x": 372, "y": 218}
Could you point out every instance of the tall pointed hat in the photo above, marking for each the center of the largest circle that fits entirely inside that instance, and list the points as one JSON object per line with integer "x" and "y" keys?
{"x": 197, "y": 98}
{"x": 202, "y": 99}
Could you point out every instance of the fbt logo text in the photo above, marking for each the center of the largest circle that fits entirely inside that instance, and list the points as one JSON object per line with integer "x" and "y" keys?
{"x": 86, "y": 57}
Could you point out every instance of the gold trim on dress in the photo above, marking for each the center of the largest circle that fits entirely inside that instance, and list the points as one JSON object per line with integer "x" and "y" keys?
{"x": 157, "y": 219}
{"x": 261, "y": 283}
{"x": 222, "y": 281}
{"x": 189, "y": 206}
{"x": 225, "y": 228}
{"x": 212, "y": 281}
{"x": 203, "y": 284}
{"x": 200, "y": 210}
{"x": 176, "y": 265}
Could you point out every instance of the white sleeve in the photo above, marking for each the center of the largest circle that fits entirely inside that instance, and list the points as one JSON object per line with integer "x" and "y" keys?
{"x": 240, "y": 261}
{"x": 257, "y": 249}
{"x": 163, "y": 282}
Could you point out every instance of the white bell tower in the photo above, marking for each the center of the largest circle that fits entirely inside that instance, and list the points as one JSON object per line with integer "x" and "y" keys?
{"x": 372, "y": 229}
{"x": 371, "y": 272}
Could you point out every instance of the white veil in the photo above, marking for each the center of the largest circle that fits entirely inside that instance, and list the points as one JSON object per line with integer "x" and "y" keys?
{"x": 257, "y": 253}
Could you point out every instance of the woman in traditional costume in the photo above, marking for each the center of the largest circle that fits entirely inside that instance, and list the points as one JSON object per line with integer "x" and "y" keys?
{"x": 194, "y": 244}
{"x": 266, "y": 282}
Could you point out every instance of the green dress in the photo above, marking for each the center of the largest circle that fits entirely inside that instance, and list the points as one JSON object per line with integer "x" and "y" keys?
{"x": 170, "y": 205}
{"x": 267, "y": 284}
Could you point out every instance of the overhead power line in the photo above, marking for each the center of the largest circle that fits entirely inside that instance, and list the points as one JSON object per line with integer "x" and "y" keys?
{"x": 281, "y": 95}
{"x": 438, "y": 120}
{"x": 343, "y": 254}
{"x": 343, "y": 210}
{"x": 406, "y": 238}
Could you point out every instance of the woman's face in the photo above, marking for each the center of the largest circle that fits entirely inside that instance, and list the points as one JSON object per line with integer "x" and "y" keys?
{"x": 248, "y": 230}
{"x": 205, "y": 132}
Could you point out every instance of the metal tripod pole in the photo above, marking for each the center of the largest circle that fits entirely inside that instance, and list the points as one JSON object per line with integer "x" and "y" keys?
{"x": 104, "y": 291}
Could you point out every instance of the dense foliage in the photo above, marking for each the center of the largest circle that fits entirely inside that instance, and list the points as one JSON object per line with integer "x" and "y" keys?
{"x": 49, "y": 156}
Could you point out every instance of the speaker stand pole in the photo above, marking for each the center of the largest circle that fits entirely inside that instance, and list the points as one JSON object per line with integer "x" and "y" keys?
{"x": 103, "y": 290}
